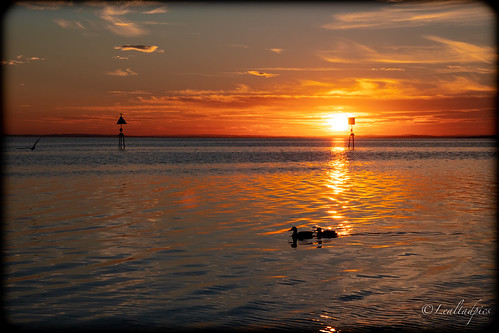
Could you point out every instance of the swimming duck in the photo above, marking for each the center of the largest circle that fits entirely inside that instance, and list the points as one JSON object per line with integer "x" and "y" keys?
{"x": 302, "y": 234}
{"x": 326, "y": 233}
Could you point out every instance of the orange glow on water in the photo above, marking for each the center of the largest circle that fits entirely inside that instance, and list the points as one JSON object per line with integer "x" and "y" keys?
{"x": 392, "y": 219}
{"x": 338, "y": 175}
{"x": 344, "y": 229}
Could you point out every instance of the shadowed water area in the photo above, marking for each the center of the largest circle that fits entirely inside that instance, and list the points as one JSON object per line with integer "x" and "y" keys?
{"x": 194, "y": 233}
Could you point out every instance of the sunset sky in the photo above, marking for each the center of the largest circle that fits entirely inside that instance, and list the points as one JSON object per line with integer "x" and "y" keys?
{"x": 297, "y": 69}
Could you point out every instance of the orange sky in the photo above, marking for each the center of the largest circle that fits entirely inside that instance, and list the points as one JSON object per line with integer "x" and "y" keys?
{"x": 422, "y": 68}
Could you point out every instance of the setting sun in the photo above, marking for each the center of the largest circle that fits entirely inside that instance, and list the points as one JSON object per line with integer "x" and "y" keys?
{"x": 338, "y": 122}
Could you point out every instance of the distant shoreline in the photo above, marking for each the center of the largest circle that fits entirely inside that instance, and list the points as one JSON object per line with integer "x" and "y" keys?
{"x": 214, "y": 136}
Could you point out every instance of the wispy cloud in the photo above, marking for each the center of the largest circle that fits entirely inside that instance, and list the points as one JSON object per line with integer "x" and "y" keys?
{"x": 159, "y": 10}
{"x": 114, "y": 16}
{"x": 446, "y": 51}
{"x": 262, "y": 74}
{"x": 121, "y": 72}
{"x": 412, "y": 14}
{"x": 244, "y": 46}
{"x": 140, "y": 48}
{"x": 467, "y": 51}
{"x": 388, "y": 69}
{"x": 134, "y": 92}
{"x": 117, "y": 24}
{"x": 380, "y": 88}
{"x": 21, "y": 59}
{"x": 276, "y": 50}
{"x": 299, "y": 69}
{"x": 66, "y": 24}
{"x": 42, "y": 5}
{"x": 465, "y": 85}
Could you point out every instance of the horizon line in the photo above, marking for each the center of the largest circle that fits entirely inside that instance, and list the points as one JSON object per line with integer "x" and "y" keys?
{"x": 248, "y": 136}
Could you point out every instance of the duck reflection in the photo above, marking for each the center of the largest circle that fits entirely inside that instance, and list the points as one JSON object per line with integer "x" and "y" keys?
{"x": 294, "y": 242}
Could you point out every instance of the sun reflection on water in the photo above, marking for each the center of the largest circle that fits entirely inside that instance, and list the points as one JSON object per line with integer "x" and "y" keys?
{"x": 344, "y": 229}
{"x": 338, "y": 175}
{"x": 327, "y": 328}
{"x": 337, "y": 181}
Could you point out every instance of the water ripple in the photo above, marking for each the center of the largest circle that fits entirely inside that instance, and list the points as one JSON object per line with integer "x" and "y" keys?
{"x": 195, "y": 234}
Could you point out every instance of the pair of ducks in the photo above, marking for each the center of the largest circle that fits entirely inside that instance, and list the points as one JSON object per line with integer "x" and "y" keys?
{"x": 310, "y": 234}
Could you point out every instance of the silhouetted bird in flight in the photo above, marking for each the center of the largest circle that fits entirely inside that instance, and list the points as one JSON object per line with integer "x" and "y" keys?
{"x": 34, "y": 146}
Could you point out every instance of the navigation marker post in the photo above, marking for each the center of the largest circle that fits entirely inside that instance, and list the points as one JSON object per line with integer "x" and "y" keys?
{"x": 121, "y": 136}
{"x": 351, "y": 122}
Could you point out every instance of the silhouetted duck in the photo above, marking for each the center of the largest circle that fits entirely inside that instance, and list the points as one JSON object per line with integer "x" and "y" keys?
{"x": 326, "y": 233}
{"x": 302, "y": 234}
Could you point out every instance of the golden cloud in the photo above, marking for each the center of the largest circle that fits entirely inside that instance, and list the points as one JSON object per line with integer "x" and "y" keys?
{"x": 446, "y": 51}
{"x": 121, "y": 72}
{"x": 263, "y": 74}
{"x": 140, "y": 48}
{"x": 412, "y": 14}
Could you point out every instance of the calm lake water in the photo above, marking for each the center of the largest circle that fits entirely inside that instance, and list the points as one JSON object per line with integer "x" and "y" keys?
{"x": 193, "y": 234}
